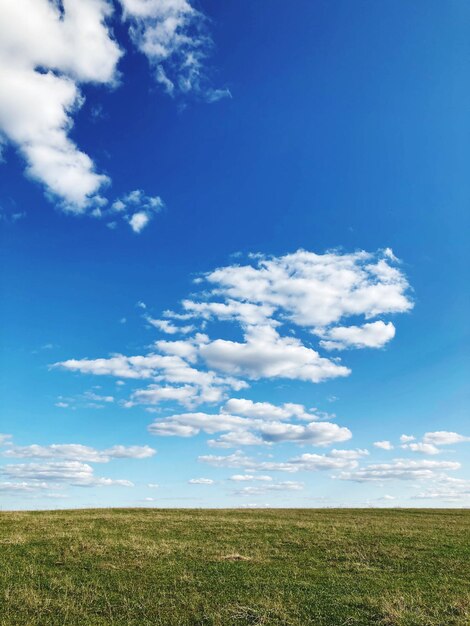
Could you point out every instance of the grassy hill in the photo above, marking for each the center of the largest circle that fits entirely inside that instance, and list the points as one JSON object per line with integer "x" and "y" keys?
{"x": 235, "y": 567}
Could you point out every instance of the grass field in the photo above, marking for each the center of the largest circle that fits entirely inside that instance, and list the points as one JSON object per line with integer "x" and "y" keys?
{"x": 235, "y": 567}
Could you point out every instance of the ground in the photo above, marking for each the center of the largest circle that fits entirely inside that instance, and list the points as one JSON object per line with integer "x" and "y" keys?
{"x": 235, "y": 567}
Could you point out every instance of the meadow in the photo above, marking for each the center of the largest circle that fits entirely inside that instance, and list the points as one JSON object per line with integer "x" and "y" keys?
{"x": 322, "y": 567}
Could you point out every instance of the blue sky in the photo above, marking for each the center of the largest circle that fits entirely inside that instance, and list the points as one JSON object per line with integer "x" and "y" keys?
{"x": 264, "y": 214}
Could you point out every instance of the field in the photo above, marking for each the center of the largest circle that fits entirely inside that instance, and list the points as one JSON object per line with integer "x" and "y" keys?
{"x": 235, "y": 567}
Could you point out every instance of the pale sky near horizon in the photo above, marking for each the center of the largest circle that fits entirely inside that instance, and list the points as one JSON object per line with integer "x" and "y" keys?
{"x": 234, "y": 252}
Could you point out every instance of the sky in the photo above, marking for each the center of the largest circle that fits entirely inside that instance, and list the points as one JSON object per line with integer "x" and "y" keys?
{"x": 234, "y": 253}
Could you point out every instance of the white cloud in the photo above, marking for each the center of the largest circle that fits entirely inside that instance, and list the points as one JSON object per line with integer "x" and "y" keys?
{"x": 201, "y": 481}
{"x": 384, "y": 445}
{"x": 372, "y": 335}
{"x": 312, "y": 291}
{"x": 155, "y": 394}
{"x": 266, "y": 410}
{"x": 138, "y": 221}
{"x": 235, "y": 439}
{"x": 266, "y": 354}
{"x": 197, "y": 422}
{"x": 424, "y": 448}
{"x": 66, "y": 44}
{"x": 73, "y": 473}
{"x": 317, "y": 290}
{"x": 407, "y": 438}
{"x": 78, "y": 452}
{"x": 168, "y": 327}
{"x": 23, "y": 487}
{"x": 71, "y": 46}
{"x": 185, "y": 349}
{"x": 173, "y": 36}
{"x": 400, "y": 469}
{"x": 444, "y": 438}
{"x": 336, "y": 459}
{"x": 136, "y": 207}
{"x": 248, "y": 431}
{"x": 315, "y": 433}
{"x": 208, "y": 387}
{"x": 245, "y": 313}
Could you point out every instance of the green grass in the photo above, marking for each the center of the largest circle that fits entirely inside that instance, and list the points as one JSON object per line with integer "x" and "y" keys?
{"x": 230, "y": 567}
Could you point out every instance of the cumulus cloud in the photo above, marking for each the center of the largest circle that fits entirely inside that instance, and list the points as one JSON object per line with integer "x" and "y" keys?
{"x": 67, "y": 44}
{"x": 317, "y": 290}
{"x": 407, "y": 438}
{"x": 372, "y": 335}
{"x": 169, "y": 368}
{"x": 384, "y": 445}
{"x": 266, "y": 410}
{"x": 424, "y": 448}
{"x": 249, "y": 431}
{"x": 301, "y": 291}
{"x": 432, "y": 441}
{"x": 266, "y": 354}
{"x": 444, "y": 438}
{"x": 42, "y": 64}
{"x": 246, "y": 313}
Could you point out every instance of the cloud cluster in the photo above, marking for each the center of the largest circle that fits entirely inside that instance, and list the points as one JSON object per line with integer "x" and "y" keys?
{"x": 318, "y": 290}
{"x": 45, "y": 60}
{"x": 260, "y": 430}
{"x": 302, "y": 292}
{"x": 42, "y": 62}
{"x": 333, "y": 460}
{"x": 78, "y": 452}
{"x": 400, "y": 469}
{"x": 72, "y": 473}
{"x": 431, "y": 442}
{"x": 136, "y": 208}
{"x": 56, "y": 466}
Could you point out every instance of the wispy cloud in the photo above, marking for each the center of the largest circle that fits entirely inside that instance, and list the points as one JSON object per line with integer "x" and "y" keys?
{"x": 174, "y": 37}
